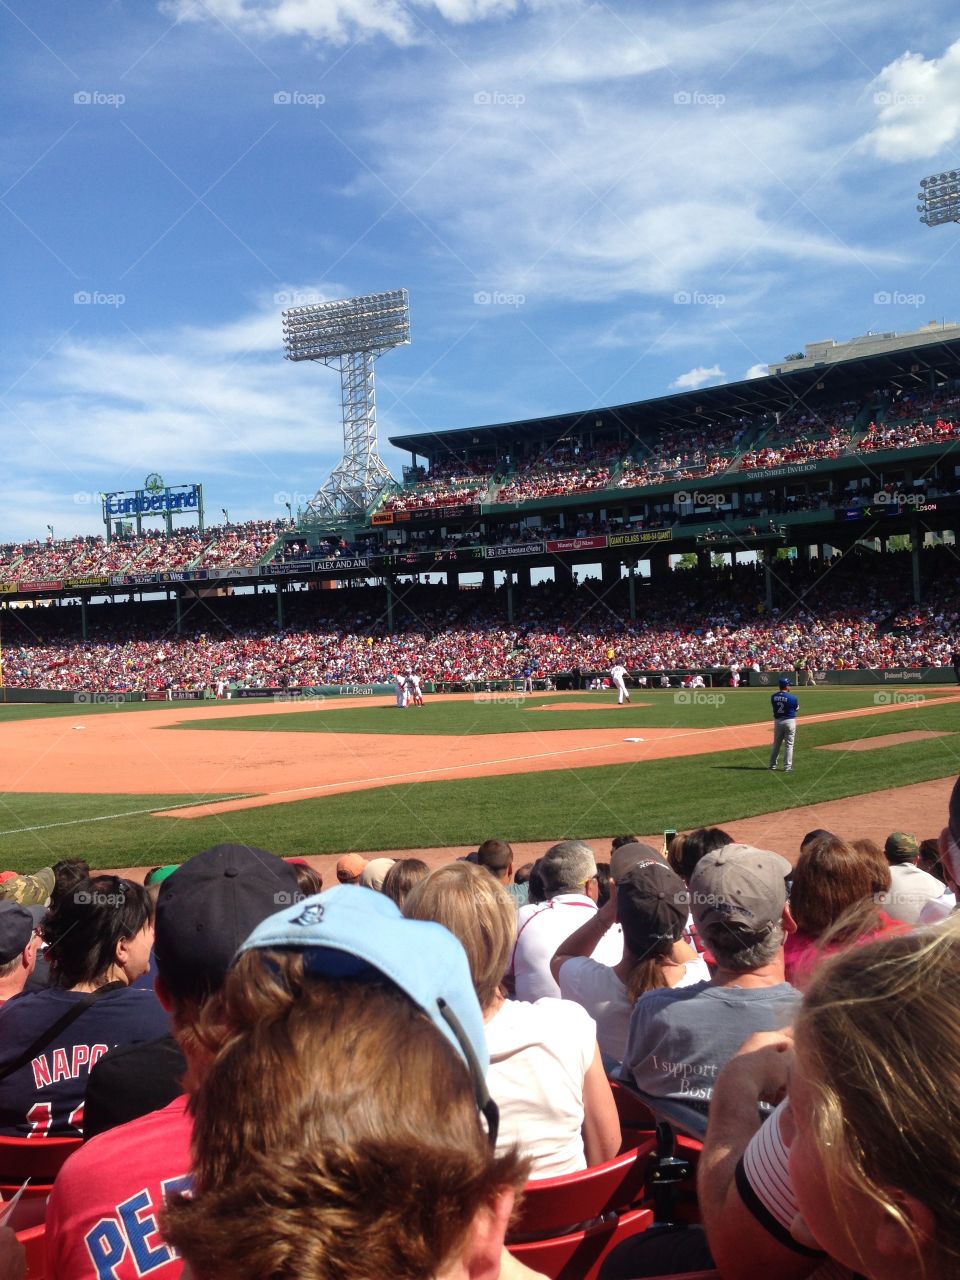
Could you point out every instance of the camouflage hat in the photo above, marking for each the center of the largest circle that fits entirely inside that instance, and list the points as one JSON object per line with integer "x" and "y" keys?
{"x": 901, "y": 847}
{"x": 30, "y": 891}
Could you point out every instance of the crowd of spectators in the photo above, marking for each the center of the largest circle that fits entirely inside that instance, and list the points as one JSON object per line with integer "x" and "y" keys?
{"x": 804, "y": 437}
{"x": 685, "y": 453}
{"x": 272, "y": 1079}
{"x": 565, "y": 468}
{"x": 451, "y": 481}
{"x": 854, "y": 612}
{"x": 914, "y": 405}
{"x": 908, "y": 435}
{"x": 153, "y": 551}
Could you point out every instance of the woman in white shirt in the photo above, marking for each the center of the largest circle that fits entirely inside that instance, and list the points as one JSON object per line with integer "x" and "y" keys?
{"x": 650, "y": 902}
{"x": 546, "y": 1074}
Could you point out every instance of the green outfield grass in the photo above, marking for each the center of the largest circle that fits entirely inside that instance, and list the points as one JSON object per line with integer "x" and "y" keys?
{"x": 593, "y": 802}
{"x": 486, "y": 713}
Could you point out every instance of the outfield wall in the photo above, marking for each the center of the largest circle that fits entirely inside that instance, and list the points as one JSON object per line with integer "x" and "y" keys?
{"x": 565, "y": 682}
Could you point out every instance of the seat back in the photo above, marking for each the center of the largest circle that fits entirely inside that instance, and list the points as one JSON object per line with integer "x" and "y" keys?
{"x": 34, "y": 1243}
{"x": 690, "y": 1275}
{"x": 580, "y": 1254}
{"x": 38, "y": 1159}
{"x": 557, "y": 1206}
{"x": 637, "y": 1121}
{"x": 631, "y": 1108}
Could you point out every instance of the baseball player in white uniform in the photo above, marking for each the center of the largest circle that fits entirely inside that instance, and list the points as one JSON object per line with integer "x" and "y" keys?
{"x": 618, "y": 674}
{"x": 413, "y": 688}
{"x": 401, "y": 681}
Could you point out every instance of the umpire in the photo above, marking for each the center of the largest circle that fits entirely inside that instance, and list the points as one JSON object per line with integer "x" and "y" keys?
{"x": 785, "y": 707}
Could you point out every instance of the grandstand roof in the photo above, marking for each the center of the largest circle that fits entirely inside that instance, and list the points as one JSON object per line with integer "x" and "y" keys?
{"x": 913, "y": 366}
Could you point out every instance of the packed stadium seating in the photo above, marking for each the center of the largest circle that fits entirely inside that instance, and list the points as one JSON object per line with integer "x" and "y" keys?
{"x": 840, "y": 612}
{"x": 448, "y": 482}
{"x": 152, "y": 551}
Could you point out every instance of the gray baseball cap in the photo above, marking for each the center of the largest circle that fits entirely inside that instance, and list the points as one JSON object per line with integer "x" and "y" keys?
{"x": 740, "y": 889}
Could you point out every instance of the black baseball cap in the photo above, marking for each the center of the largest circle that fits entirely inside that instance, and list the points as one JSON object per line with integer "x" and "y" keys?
{"x": 209, "y": 906}
{"x": 17, "y": 925}
{"x": 651, "y": 906}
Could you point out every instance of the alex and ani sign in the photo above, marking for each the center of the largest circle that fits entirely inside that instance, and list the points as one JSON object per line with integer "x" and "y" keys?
{"x": 140, "y": 502}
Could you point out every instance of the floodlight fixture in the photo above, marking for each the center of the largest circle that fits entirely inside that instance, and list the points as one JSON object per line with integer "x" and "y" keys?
{"x": 939, "y": 198}
{"x": 351, "y": 334}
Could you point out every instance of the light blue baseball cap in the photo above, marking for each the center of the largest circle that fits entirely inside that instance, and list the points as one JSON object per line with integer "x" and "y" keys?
{"x": 348, "y": 932}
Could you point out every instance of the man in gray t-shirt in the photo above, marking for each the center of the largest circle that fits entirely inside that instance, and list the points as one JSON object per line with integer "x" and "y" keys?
{"x": 680, "y": 1038}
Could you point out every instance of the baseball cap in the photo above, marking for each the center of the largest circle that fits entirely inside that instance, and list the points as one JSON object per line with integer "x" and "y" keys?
{"x": 627, "y": 856}
{"x": 375, "y": 872}
{"x": 901, "y": 847}
{"x": 348, "y": 933}
{"x": 30, "y": 891}
{"x": 159, "y": 874}
{"x": 739, "y": 889}
{"x": 207, "y": 908}
{"x": 651, "y": 905}
{"x": 350, "y": 867}
{"x": 17, "y": 925}
{"x": 783, "y": 682}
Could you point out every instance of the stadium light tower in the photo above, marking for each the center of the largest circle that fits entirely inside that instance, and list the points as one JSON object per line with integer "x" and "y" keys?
{"x": 939, "y": 198}
{"x": 351, "y": 334}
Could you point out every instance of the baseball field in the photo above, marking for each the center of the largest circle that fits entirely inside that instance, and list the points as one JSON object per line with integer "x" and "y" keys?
{"x": 128, "y": 785}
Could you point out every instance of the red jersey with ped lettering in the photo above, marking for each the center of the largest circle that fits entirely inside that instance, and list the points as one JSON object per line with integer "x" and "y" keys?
{"x": 102, "y": 1213}
{"x": 44, "y": 1097}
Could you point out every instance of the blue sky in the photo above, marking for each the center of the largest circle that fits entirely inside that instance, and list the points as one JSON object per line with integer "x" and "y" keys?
{"x": 545, "y": 179}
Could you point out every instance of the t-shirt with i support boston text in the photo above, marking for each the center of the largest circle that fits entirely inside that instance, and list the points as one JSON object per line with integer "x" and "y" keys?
{"x": 681, "y": 1038}
{"x": 44, "y": 1098}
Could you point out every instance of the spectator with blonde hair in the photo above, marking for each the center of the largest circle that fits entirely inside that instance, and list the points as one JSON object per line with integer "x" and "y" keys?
{"x": 875, "y": 1108}
{"x": 546, "y": 1074}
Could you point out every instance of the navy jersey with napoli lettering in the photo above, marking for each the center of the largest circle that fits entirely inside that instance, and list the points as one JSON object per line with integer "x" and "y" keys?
{"x": 44, "y": 1098}
{"x": 784, "y": 705}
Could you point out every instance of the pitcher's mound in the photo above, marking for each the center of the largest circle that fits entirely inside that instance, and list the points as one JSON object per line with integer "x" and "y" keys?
{"x": 888, "y": 740}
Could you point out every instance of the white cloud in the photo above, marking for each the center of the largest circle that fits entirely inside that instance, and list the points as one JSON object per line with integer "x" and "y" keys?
{"x": 698, "y": 377}
{"x": 657, "y": 183}
{"x": 333, "y": 21}
{"x": 757, "y": 371}
{"x": 918, "y": 101}
{"x": 195, "y": 404}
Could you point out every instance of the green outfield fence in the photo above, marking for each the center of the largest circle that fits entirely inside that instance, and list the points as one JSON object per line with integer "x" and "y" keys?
{"x": 564, "y": 682}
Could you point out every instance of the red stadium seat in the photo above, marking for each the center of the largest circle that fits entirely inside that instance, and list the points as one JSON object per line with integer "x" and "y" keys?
{"x": 579, "y": 1255}
{"x": 38, "y": 1159}
{"x": 690, "y": 1275}
{"x": 566, "y": 1226}
{"x": 34, "y": 1242}
{"x": 637, "y": 1121}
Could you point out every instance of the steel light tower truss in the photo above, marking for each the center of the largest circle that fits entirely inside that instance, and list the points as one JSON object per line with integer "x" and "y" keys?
{"x": 351, "y": 334}
{"x": 939, "y": 198}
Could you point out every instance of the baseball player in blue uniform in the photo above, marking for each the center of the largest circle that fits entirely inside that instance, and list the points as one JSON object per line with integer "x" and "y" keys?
{"x": 785, "y": 707}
